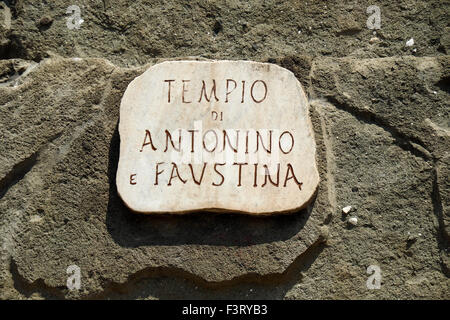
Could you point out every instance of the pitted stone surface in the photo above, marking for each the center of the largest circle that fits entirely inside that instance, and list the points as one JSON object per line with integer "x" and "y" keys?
{"x": 60, "y": 130}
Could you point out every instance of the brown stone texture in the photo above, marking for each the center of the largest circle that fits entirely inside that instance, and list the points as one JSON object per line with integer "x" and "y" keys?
{"x": 380, "y": 115}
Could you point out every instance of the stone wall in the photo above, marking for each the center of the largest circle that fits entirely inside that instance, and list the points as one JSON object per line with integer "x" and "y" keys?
{"x": 380, "y": 112}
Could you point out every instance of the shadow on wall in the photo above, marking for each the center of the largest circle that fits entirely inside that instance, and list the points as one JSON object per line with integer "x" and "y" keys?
{"x": 203, "y": 228}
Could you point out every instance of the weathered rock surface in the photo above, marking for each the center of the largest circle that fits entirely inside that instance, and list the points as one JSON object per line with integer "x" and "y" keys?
{"x": 63, "y": 142}
{"x": 381, "y": 123}
{"x": 131, "y": 34}
{"x": 60, "y": 205}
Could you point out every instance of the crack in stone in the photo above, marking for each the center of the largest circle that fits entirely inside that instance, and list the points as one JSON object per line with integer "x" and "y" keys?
{"x": 443, "y": 238}
{"x": 130, "y": 288}
{"x": 17, "y": 173}
{"x": 20, "y": 169}
{"x": 417, "y": 148}
{"x": 330, "y": 161}
{"x": 38, "y": 286}
{"x": 440, "y": 131}
{"x": 409, "y": 144}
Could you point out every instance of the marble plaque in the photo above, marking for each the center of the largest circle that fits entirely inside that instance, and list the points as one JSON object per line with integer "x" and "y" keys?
{"x": 233, "y": 136}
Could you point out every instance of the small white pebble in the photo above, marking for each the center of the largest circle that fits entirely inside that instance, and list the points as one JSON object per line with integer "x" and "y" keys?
{"x": 410, "y": 42}
{"x": 435, "y": 92}
{"x": 373, "y": 40}
{"x": 414, "y": 50}
{"x": 35, "y": 219}
{"x": 346, "y": 209}
{"x": 353, "y": 221}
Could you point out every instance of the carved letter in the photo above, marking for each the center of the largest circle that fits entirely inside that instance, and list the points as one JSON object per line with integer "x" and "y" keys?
{"x": 169, "y": 136}
{"x": 228, "y": 92}
{"x": 292, "y": 139}
{"x": 204, "y": 144}
{"x": 147, "y": 134}
{"x": 226, "y": 137}
{"x": 158, "y": 172}
{"x": 203, "y": 92}
{"x": 215, "y": 169}
{"x": 184, "y": 90}
{"x": 177, "y": 174}
{"x": 169, "y": 82}
{"x": 201, "y": 177}
{"x": 239, "y": 171}
{"x": 270, "y": 179}
{"x": 192, "y": 139}
{"x": 265, "y": 91}
{"x": 290, "y": 169}
{"x": 256, "y": 175}
{"x": 258, "y": 137}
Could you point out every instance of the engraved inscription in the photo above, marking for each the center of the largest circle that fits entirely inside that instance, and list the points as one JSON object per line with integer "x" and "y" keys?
{"x": 228, "y": 135}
